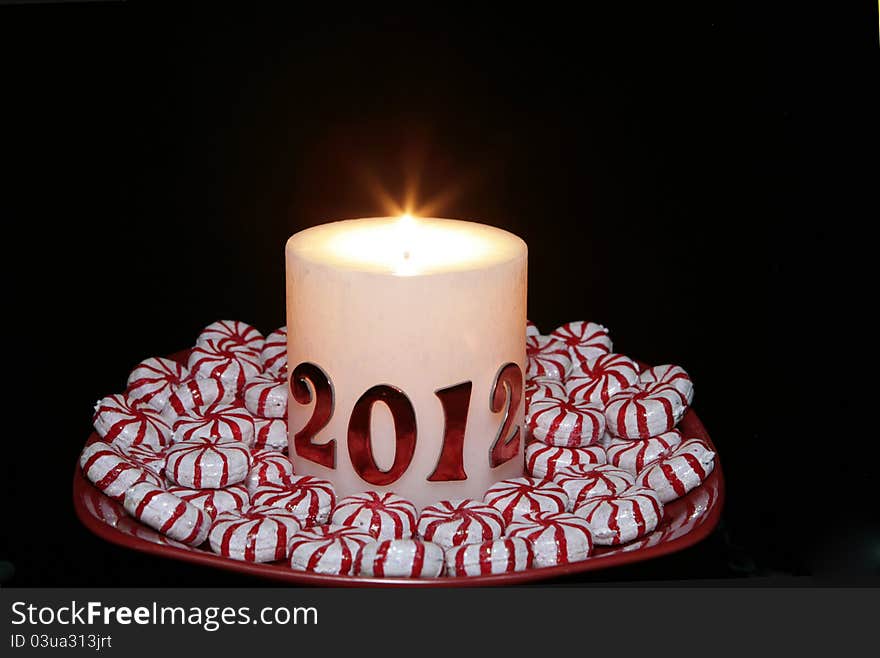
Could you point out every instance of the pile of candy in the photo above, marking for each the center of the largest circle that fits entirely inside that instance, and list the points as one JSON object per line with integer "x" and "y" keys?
{"x": 197, "y": 453}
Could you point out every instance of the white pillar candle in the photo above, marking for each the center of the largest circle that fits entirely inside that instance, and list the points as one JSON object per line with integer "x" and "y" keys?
{"x": 406, "y": 349}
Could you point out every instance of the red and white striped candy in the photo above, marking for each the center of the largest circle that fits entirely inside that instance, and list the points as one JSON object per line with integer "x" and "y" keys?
{"x": 531, "y": 329}
{"x": 584, "y": 340}
{"x": 232, "y": 333}
{"x": 309, "y": 498}
{"x": 566, "y": 423}
{"x": 254, "y": 534}
{"x": 543, "y": 387}
{"x": 153, "y": 381}
{"x": 124, "y": 422}
{"x": 209, "y": 462}
{"x": 383, "y": 516}
{"x": 543, "y": 461}
{"x": 684, "y": 469}
{"x": 214, "y": 501}
{"x": 640, "y": 413}
{"x": 197, "y": 394}
{"x": 547, "y": 358}
{"x": 268, "y": 467}
{"x": 673, "y": 375}
{"x": 456, "y": 522}
{"x": 134, "y": 528}
{"x": 598, "y": 379}
{"x": 226, "y": 421}
{"x": 556, "y": 537}
{"x": 232, "y": 363}
{"x": 112, "y": 471}
{"x": 633, "y": 456}
{"x": 266, "y": 396}
{"x": 504, "y": 555}
{"x": 274, "y": 354}
{"x": 270, "y": 433}
{"x": 149, "y": 457}
{"x": 591, "y": 480}
{"x": 402, "y": 558}
{"x": 329, "y": 549}
{"x": 517, "y": 497}
{"x": 165, "y": 512}
{"x": 619, "y": 519}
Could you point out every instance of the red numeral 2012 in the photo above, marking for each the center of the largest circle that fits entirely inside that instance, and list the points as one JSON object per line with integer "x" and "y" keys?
{"x": 309, "y": 384}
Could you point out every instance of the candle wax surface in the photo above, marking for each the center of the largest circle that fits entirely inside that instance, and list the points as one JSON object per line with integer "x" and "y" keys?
{"x": 406, "y": 246}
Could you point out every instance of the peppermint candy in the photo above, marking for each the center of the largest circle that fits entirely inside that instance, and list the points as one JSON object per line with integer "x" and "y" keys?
{"x": 231, "y": 333}
{"x": 504, "y": 555}
{"x": 112, "y": 471}
{"x": 517, "y": 497}
{"x": 134, "y": 528}
{"x": 402, "y": 558}
{"x": 565, "y": 423}
{"x": 266, "y": 396}
{"x": 598, "y": 379}
{"x": 546, "y": 358}
{"x": 543, "y": 387}
{"x": 310, "y": 499}
{"x": 329, "y": 549}
{"x": 197, "y": 394}
{"x": 543, "y": 461}
{"x": 270, "y": 433}
{"x": 531, "y": 329}
{"x": 675, "y": 376}
{"x": 209, "y": 462}
{"x": 455, "y": 522}
{"x": 153, "y": 381}
{"x": 268, "y": 467}
{"x": 232, "y": 363}
{"x": 214, "y": 501}
{"x": 165, "y": 512}
{"x": 584, "y": 340}
{"x": 383, "y": 516}
{"x": 640, "y": 413}
{"x": 225, "y": 421}
{"x": 556, "y": 537}
{"x": 619, "y": 519}
{"x": 274, "y": 353}
{"x": 633, "y": 456}
{"x": 586, "y": 481}
{"x": 254, "y": 534}
{"x": 153, "y": 459}
{"x": 684, "y": 469}
{"x": 123, "y": 422}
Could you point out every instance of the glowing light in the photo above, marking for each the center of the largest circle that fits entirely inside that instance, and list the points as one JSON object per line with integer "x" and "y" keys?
{"x": 406, "y": 245}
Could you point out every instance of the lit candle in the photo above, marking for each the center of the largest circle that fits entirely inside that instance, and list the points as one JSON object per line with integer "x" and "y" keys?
{"x": 406, "y": 348}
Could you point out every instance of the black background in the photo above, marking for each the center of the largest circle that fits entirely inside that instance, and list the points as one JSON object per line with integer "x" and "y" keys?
{"x": 685, "y": 176}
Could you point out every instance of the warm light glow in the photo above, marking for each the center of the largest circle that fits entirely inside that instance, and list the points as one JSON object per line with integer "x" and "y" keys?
{"x": 406, "y": 239}
{"x": 406, "y": 245}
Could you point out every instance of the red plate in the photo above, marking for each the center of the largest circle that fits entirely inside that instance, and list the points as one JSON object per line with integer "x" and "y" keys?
{"x": 686, "y": 521}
